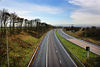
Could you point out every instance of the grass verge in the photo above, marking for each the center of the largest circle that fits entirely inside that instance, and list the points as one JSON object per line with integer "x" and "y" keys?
{"x": 80, "y": 53}
{"x": 21, "y": 47}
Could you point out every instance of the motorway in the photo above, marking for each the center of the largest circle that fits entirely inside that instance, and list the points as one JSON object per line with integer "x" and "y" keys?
{"x": 93, "y": 48}
{"x": 52, "y": 54}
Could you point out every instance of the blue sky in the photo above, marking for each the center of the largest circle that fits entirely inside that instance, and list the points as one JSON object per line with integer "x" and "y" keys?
{"x": 56, "y": 11}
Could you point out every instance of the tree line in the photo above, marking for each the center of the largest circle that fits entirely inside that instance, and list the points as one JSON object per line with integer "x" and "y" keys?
{"x": 13, "y": 24}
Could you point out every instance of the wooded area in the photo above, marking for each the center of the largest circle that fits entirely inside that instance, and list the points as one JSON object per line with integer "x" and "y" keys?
{"x": 13, "y": 24}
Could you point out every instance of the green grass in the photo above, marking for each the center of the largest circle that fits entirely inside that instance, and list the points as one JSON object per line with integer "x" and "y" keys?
{"x": 79, "y": 52}
{"x": 30, "y": 39}
{"x": 21, "y": 55}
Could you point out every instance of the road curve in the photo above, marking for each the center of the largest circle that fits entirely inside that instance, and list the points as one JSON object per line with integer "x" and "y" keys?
{"x": 52, "y": 54}
{"x": 93, "y": 48}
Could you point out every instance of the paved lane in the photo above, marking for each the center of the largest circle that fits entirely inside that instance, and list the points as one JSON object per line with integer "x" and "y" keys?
{"x": 52, "y": 59}
{"x": 40, "y": 59}
{"x": 93, "y": 48}
{"x": 52, "y": 53}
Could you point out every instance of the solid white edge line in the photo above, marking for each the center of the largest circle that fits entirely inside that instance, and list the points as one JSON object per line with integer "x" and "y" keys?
{"x": 47, "y": 52}
{"x": 32, "y": 57}
{"x": 65, "y": 50}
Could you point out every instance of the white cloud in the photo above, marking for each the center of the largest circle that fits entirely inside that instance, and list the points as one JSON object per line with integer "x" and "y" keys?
{"x": 85, "y": 3}
{"x": 27, "y": 9}
{"x": 86, "y": 18}
{"x": 88, "y": 13}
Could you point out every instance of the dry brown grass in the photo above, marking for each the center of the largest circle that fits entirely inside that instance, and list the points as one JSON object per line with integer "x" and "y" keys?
{"x": 21, "y": 47}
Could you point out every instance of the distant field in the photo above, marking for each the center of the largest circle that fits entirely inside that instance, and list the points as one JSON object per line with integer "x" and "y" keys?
{"x": 80, "y": 53}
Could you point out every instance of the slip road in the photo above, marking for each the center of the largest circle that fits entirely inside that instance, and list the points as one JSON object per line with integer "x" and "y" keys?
{"x": 93, "y": 48}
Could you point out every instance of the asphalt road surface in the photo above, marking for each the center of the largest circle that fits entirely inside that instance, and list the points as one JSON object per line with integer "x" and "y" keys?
{"x": 52, "y": 54}
{"x": 93, "y": 48}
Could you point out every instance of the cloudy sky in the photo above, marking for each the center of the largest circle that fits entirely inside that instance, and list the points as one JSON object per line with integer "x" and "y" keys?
{"x": 56, "y": 11}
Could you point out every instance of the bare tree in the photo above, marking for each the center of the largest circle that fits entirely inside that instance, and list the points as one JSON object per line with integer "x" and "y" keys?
{"x": 14, "y": 19}
{"x": 4, "y": 20}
